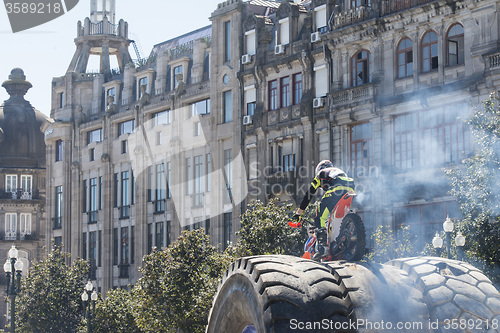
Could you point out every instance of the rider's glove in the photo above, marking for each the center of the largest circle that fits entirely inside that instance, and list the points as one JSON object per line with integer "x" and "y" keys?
{"x": 295, "y": 222}
{"x": 316, "y": 183}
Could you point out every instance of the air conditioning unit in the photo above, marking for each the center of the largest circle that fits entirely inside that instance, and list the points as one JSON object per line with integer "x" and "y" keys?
{"x": 318, "y": 102}
{"x": 315, "y": 37}
{"x": 247, "y": 120}
{"x": 279, "y": 49}
{"x": 246, "y": 59}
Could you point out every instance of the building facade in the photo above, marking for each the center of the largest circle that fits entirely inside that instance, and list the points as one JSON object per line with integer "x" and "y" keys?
{"x": 245, "y": 108}
{"x": 22, "y": 177}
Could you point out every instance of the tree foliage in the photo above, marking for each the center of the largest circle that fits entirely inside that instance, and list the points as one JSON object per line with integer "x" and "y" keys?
{"x": 115, "y": 313}
{"x": 178, "y": 284}
{"x": 476, "y": 185}
{"x": 389, "y": 245}
{"x": 265, "y": 230}
{"x": 49, "y": 300}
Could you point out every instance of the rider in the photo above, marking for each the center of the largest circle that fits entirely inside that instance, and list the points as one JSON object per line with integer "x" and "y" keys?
{"x": 335, "y": 183}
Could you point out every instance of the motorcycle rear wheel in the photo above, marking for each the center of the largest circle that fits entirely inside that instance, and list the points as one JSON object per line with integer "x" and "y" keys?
{"x": 351, "y": 240}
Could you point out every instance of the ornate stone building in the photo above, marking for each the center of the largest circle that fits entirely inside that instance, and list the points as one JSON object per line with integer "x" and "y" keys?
{"x": 22, "y": 177}
{"x": 245, "y": 107}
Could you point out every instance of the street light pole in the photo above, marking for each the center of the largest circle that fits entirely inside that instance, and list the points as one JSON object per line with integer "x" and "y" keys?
{"x": 13, "y": 270}
{"x": 448, "y": 229}
{"x": 86, "y": 294}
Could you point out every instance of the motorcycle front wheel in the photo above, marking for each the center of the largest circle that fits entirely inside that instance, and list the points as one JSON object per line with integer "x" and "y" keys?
{"x": 351, "y": 240}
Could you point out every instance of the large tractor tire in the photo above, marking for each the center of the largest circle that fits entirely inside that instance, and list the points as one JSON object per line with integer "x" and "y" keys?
{"x": 289, "y": 294}
{"x": 460, "y": 298}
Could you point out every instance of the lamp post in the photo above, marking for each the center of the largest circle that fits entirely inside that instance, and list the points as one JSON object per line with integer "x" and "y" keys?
{"x": 89, "y": 292}
{"x": 448, "y": 229}
{"x": 13, "y": 270}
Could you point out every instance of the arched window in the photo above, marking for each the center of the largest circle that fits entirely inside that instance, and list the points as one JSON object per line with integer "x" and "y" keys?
{"x": 361, "y": 68}
{"x": 405, "y": 58}
{"x": 455, "y": 45}
{"x": 429, "y": 52}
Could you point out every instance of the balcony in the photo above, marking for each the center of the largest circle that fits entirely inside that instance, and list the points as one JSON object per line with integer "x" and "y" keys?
{"x": 19, "y": 194}
{"x": 10, "y": 236}
{"x": 351, "y": 95}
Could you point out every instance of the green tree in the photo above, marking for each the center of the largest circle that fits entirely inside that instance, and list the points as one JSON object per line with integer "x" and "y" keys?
{"x": 49, "y": 300}
{"x": 265, "y": 230}
{"x": 178, "y": 284}
{"x": 476, "y": 185}
{"x": 389, "y": 245}
{"x": 115, "y": 313}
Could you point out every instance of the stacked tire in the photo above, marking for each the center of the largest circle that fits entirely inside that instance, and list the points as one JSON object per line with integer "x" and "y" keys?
{"x": 291, "y": 294}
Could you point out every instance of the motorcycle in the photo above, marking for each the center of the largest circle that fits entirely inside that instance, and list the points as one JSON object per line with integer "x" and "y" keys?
{"x": 343, "y": 237}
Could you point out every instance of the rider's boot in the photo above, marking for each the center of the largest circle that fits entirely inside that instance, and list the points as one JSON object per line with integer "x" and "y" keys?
{"x": 319, "y": 252}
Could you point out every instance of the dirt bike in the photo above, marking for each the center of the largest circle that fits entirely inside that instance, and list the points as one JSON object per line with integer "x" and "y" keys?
{"x": 349, "y": 244}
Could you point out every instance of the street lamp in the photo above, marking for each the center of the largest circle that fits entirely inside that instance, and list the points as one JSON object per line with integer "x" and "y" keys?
{"x": 13, "y": 270}
{"x": 448, "y": 229}
{"x": 460, "y": 242}
{"x": 86, "y": 294}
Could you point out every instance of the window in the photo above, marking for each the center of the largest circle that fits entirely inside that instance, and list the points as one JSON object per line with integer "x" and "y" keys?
{"x": 178, "y": 75}
{"x": 116, "y": 183}
{"x": 59, "y": 150}
{"x": 143, "y": 81}
{"x": 84, "y": 246}
{"x": 94, "y": 136}
{"x": 197, "y": 129}
{"x": 100, "y": 193}
{"x": 132, "y": 244}
{"x": 251, "y": 108}
{"x": 360, "y": 3}
{"x": 284, "y": 31}
{"x": 285, "y": 91}
{"x": 297, "y": 88}
{"x": 159, "y": 235}
{"x": 92, "y": 154}
{"x": 288, "y": 162}
{"x": 228, "y": 107}
{"x": 228, "y": 229}
{"x": 162, "y": 118}
{"x": 11, "y": 183}
{"x": 124, "y": 146}
{"x": 25, "y": 224}
{"x": 361, "y": 68}
{"x": 273, "y": 95}
{"x": 429, "y": 52}
{"x": 160, "y": 188}
{"x": 252, "y": 163}
{"x": 455, "y": 45}
{"x": 150, "y": 238}
{"x": 84, "y": 196}
{"x": 124, "y": 245}
{"x": 125, "y": 191}
{"x": 10, "y": 226}
{"x": 320, "y": 16}
{"x": 169, "y": 231}
{"x": 361, "y": 148}
{"x": 209, "y": 170}
{"x": 26, "y": 186}
{"x": 228, "y": 169}
{"x": 111, "y": 92}
{"x": 169, "y": 175}
{"x": 126, "y": 127}
{"x": 58, "y": 207}
{"x": 60, "y": 98}
{"x": 115, "y": 246}
{"x": 188, "y": 175}
{"x": 93, "y": 251}
{"x": 250, "y": 99}
{"x": 93, "y": 198}
{"x": 201, "y": 107}
{"x": 431, "y": 138}
{"x": 320, "y": 81}
{"x": 198, "y": 181}
{"x": 151, "y": 184}
{"x": 250, "y": 42}
{"x": 227, "y": 41}
{"x": 405, "y": 58}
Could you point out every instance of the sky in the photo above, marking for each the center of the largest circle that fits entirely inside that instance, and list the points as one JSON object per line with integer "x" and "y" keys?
{"x": 45, "y": 51}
